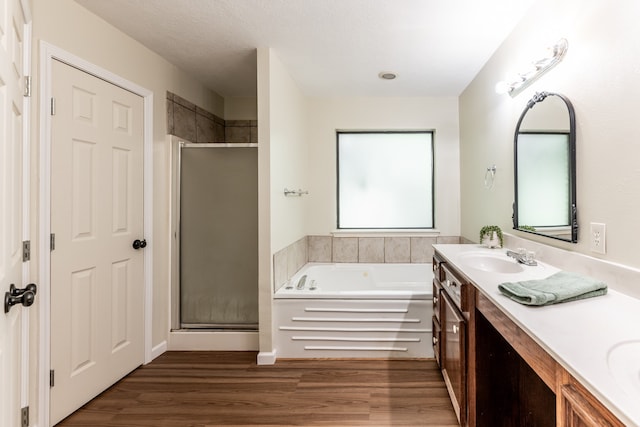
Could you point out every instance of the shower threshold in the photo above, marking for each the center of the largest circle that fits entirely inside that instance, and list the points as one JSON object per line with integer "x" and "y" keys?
{"x": 219, "y": 326}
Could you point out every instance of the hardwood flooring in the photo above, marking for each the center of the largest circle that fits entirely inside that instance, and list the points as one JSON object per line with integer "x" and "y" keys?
{"x": 205, "y": 389}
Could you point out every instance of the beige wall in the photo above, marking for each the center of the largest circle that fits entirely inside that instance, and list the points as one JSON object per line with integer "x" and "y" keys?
{"x": 68, "y": 26}
{"x": 240, "y": 108}
{"x": 601, "y": 76}
{"x": 282, "y": 161}
{"x": 326, "y": 115}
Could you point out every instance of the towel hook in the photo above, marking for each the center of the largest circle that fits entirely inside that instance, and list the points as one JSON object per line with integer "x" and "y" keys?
{"x": 489, "y": 177}
{"x": 294, "y": 193}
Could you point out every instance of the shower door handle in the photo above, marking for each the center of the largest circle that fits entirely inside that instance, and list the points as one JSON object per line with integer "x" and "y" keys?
{"x": 139, "y": 244}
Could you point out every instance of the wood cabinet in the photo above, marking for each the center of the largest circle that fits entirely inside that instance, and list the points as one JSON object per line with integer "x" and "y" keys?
{"x": 496, "y": 374}
{"x": 454, "y": 355}
{"x": 450, "y": 333}
{"x": 579, "y": 408}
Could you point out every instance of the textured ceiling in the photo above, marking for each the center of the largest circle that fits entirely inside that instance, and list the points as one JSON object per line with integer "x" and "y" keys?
{"x": 330, "y": 47}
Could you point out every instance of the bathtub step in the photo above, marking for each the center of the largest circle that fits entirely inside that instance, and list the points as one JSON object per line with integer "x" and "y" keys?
{"x": 354, "y": 339}
{"x": 337, "y": 329}
{"x": 355, "y": 310}
{"x": 355, "y": 319}
{"x": 346, "y": 348}
{"x": 353, "y": 329}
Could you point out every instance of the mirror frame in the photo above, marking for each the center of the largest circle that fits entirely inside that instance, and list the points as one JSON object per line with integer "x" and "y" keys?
{"x": 539, "y": 97}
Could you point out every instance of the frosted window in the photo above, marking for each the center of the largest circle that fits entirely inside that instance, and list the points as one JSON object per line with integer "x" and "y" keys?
{"x": 385, "y": 180}
{"x": 543, "y": 179}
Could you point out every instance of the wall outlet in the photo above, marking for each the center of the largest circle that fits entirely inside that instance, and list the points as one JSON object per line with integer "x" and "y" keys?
{"x": 598, "y": 238}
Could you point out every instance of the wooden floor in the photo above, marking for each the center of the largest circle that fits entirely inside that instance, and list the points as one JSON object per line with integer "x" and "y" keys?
{"x": 228, "y": 389}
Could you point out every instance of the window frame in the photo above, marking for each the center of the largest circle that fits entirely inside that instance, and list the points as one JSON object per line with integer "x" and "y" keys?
{"x": 379, "y": 132}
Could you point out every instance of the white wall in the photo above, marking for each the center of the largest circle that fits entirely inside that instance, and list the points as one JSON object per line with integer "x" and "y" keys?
{"x": 288, "y": 146}
{"x": 282, "y": 162}
{"x": 601, "y": 76}
{"x": 65, "y": 24}
{"x": 326, "y": 115}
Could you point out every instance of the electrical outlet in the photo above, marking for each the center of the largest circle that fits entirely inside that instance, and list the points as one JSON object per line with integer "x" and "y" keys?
{"x": 598, "y": 238}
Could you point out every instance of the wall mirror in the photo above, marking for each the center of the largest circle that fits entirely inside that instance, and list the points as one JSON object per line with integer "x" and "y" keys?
{"x": 545, "y": 168}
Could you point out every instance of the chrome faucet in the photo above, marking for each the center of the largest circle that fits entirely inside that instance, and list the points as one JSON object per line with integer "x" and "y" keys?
{"x": 525, "y": 258}
{"x": 301, "y": 282}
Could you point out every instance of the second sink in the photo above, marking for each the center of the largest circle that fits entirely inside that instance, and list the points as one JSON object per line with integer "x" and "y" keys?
{"x": 624, "y": 365}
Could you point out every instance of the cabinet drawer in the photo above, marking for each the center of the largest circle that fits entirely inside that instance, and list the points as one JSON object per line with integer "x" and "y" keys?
{"x": 456, "y": 287}
{"x": 580, "y": 408}
{"x": 436, "y": 265}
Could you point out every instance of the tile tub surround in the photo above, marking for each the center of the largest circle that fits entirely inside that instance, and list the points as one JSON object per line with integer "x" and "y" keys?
{"x": 287, "y": 261}
{"x": 401, "y": 249}
{"x": 187, "y": 120}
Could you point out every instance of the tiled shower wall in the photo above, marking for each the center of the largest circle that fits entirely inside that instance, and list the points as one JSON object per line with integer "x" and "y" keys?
{"x": 405, "y": 249}
{"x": 187, "y": 120}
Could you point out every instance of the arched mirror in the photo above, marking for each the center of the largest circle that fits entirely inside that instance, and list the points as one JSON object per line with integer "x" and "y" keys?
{"x": 545, "y": 168}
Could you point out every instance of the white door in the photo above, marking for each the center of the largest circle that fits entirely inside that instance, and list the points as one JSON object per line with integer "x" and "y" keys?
{"x": 97, "y": 277}
{"x": 11, "y": 213}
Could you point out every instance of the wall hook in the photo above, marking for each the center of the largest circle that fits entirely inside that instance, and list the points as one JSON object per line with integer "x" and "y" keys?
{"x": 489, "y": 177}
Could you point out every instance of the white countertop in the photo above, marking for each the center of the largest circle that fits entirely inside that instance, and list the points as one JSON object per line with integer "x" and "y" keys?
{"x": 579, "y": 335}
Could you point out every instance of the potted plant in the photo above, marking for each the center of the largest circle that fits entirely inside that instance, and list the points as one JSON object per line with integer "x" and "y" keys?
{"x": 491, "y": 236}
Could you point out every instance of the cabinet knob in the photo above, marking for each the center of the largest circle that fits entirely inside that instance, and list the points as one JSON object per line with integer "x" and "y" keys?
{"x": 434, "y": 340}
{"x": 455, "y": 329}
{"x": 435, "y": 300}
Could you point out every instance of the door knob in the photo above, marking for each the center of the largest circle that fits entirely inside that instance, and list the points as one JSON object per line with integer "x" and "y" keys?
{"x": 139, "y": 244}
{"x": 25, "y": 296}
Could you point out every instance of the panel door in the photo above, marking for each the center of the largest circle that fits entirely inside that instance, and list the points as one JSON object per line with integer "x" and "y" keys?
{"x": 97, "y": 277}
{"x": 11, "y": 215}
{"x": 453, "y": 355}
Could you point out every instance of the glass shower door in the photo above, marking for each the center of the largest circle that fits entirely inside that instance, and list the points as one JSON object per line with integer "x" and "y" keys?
{"x": 218, "y": 237}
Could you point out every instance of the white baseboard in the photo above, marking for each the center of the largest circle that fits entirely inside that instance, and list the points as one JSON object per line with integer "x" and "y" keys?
{"x": 213, "y": 341}
{"x": 266, "y": 358}
{"x": 158, "y": 350}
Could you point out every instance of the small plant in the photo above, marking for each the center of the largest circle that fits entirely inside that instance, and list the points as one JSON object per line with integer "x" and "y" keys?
{"x": 487, "y": 232}
{"x": 526, "y": 228}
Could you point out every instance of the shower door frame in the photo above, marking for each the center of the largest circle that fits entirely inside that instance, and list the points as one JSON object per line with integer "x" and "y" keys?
{"x": 177, "y": 144}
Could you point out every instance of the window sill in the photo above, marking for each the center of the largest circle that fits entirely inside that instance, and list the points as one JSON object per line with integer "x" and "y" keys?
{"x": 382, "y": 232}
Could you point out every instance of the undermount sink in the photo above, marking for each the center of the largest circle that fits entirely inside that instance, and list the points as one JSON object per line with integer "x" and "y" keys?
{"x": 624, "y": 365}
{"x": 498, "y": 263}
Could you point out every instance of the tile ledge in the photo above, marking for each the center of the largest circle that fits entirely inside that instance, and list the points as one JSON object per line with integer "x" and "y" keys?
{"x": 381, "y": 232}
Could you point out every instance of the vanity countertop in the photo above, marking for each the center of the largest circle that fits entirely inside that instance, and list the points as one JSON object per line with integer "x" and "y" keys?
{"x": 583, "y": 336}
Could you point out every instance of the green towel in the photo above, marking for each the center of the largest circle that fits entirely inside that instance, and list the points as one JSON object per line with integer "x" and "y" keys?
{"x": 560, "y": 287}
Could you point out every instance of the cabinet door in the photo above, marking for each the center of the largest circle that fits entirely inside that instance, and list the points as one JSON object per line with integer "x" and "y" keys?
{"x": 581, "y": 409}
{"x": 454, "y": 355}
{"x": 437, "y": 290}
{"x": 436, "y": 339}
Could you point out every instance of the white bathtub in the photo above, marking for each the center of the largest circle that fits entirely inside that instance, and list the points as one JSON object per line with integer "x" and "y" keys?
{"x": 355, "y": 311}
{"x": 367, "y": 281}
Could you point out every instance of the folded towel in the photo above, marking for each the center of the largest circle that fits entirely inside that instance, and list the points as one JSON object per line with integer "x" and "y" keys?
{"x": 559, "y": 287}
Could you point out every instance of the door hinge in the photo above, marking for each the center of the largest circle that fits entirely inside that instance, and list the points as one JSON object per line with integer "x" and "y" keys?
{"x": 27, "y": 86}
{"x": 52, "y": 242}
{"x": 53, "y": 106}
{"x": 24, "y": 416}
{"x": 26, "y": 251}
{"x": 52, "y": 378}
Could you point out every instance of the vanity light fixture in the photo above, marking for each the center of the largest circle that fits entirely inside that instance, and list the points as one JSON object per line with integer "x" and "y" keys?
{"x": 537, "y": 68}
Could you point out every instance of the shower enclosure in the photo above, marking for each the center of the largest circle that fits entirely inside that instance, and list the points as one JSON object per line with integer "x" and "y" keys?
{"x": 215, "y": 236}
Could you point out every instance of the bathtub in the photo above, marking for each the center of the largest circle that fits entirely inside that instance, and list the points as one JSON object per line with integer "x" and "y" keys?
{"x": 367, "y": 281}
{"x": 355, "y": 311}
